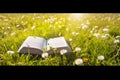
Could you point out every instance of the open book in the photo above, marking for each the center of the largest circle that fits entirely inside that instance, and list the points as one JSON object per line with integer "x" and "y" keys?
{"x": 37, "y": 45}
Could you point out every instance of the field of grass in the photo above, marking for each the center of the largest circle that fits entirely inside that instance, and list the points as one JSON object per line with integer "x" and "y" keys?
{"x": 94, "y": 38}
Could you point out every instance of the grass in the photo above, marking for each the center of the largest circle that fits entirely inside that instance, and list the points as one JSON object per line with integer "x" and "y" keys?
{"x": 15, "y": 28}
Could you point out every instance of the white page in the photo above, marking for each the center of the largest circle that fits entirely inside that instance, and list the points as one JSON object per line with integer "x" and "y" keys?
{"x": 33, "y": 42}
{"x": 57, "y": 42}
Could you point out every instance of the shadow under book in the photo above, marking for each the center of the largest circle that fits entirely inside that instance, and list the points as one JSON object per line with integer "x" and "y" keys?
{"x": 37, "y": 45}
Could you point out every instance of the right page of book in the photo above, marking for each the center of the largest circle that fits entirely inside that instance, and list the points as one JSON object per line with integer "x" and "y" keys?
{"x": 57, "y": 42}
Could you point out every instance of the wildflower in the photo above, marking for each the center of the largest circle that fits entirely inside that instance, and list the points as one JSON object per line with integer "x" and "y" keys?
{"x": 117, "y": 37}
{"x": 100, "y": 57}
{"x": 116, "y": 41}
{"x": 63, "y": 51}
{"x": 48, "y": 47}
{"x": 5, "y": 20}
{"x": 10, "y": 52}
{"x": 96, "y": 34}
{"x": 87, "y": 22}
{"x": 33, "y": 27}
{"x": 17, "y": 25}
{"x": 8, "y": 27}
{"x": 103, "y": 36}
{"x": 33, "y": 18}
{"x": 107, "y": 35}
{"x": 44, "y": 55}
{"x": 12, "y": 34}
{"x": 3, "y": 28}
{"x": 59, "y": 26}
{"x": 78, "y": 61}
{"x": 76, "y": 33}
{"x": 91, "y": 31}
{"x": 67, "y": 29}
{"x": 25, "y": 30}
{"x": 105, "y": 30}
{"x": 85, "y": 59}
{"x": 70, "y": 39}
{"x": 22, "y": 17}
{"x": 77, "y": 49}
{"x": 5, "y": 33}
{"x": 73, "y": 33}
{"x": 19, "y": 63}
{"x": 84, "y": 27}
{"x": 96, "y": 26}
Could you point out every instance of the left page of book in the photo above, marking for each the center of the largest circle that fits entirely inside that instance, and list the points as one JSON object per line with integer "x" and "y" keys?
{"x": 33, "y": 43}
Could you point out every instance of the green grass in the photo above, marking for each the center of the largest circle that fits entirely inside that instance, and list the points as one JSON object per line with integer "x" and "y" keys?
{"x": 15, "y": 28}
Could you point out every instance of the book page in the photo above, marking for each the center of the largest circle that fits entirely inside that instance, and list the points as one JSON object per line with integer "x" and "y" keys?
{"x": 34, "y": 42}
{"x": 57, "y": 42}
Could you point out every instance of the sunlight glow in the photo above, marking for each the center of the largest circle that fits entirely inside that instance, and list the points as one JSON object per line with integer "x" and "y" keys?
{"x": 76, "y": 16}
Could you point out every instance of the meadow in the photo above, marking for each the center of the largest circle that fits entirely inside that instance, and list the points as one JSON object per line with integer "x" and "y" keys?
{"x": 93, "y": 37}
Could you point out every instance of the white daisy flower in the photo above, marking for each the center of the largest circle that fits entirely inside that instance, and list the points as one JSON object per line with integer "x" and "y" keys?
{"x": 33, "y": 27}
{"x": 107, "y": 35}
{"x": 96, "y": 34}
{"x": 117, "y": 37}
{"x": 78, "y": 61}
{"x": 3, "y": 28}
{"x": 5, "y": 20}
{"x": 100, "y": 57}
{"x": 44, "y": 55}
{"x": 76, "y": 33}
{"x": 8, "y": 27}
{"x": 77, "y": 49}
{"x": 91, "y": 31}
{"x": 70, "y": 39}
{"x": 96, "y": 26}
{"x": 63, "y": 51}
{"x": 87, "y": 22}
{"x": 22, "y": 17}
{"x": 10, "y": 52}
{"x": 17, "y": 25}
{"x": 73, "y": 33}
{"x": 5, "y": 33}
{"x": 67, "y": 29}
{"x": 48, "y": 47}
{"x": 116, "y": 41}
{"x": 105, "y": 29}
{"x": 25, "y": 30}
{"x": 13, "y": 33}
{"x": 103, "y": 36}
{"x": 84, "y": 27}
